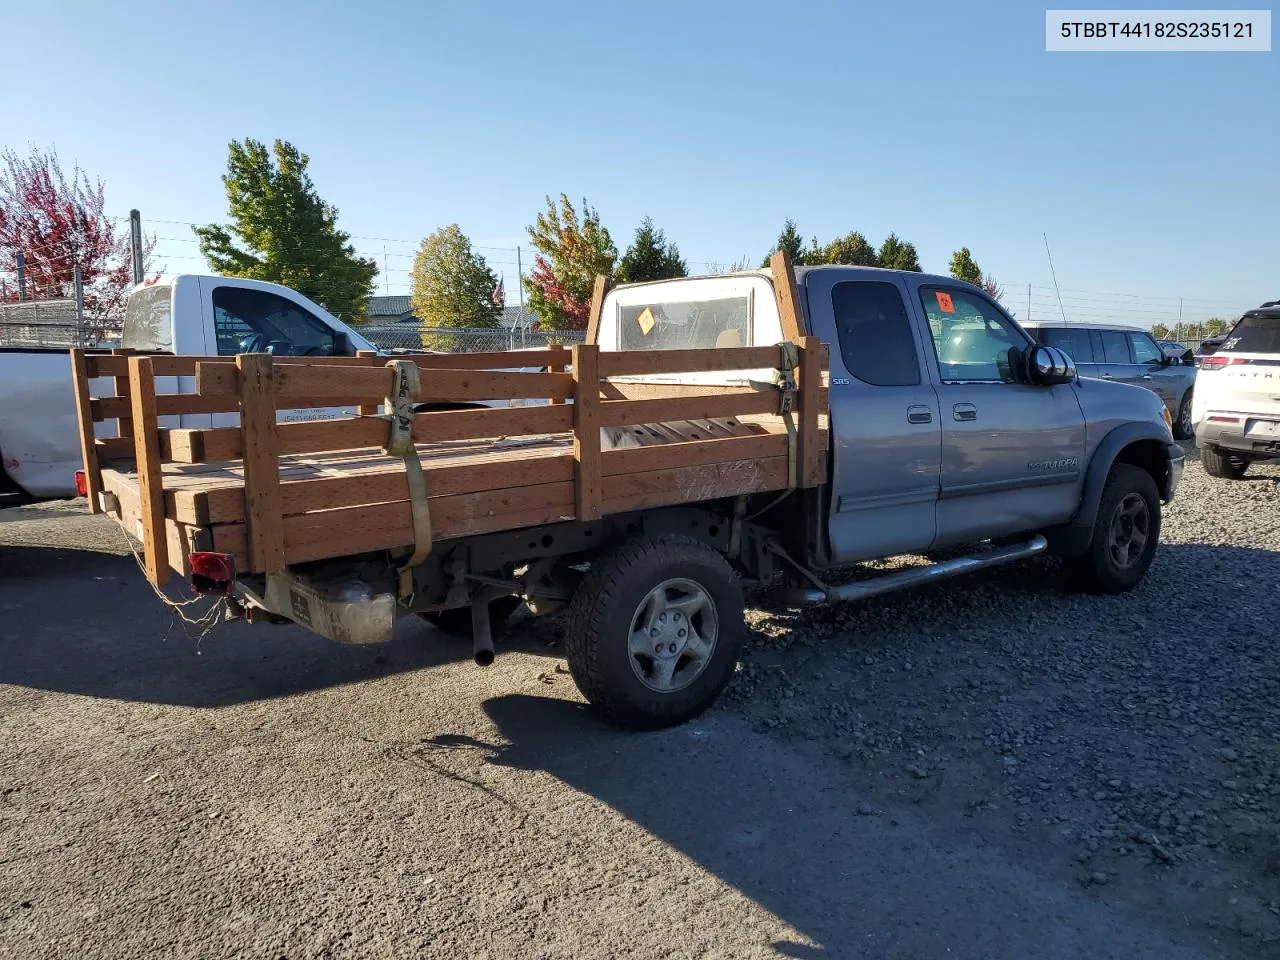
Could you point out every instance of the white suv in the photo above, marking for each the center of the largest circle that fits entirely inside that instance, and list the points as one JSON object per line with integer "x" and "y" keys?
{"x": 1236, "y": 405}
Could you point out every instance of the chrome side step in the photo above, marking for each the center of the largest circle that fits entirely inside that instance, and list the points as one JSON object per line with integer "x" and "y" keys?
{"x": 860, "y": 590}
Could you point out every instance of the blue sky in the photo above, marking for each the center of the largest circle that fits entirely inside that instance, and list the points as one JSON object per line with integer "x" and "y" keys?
{"x": 1156, "y": 176}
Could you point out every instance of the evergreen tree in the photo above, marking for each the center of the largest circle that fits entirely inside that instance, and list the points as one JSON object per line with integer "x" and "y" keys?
{"x": 897, "y": 254}
{"x": 282, "y": 231}
{"x": 650, "y": 257}
{"x": 963, "y": 267}
{"x": 789, "y": 240}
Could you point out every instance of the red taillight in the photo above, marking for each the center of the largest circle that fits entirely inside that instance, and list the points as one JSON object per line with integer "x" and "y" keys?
{"x": 82, "y": 484}
{"x": 1219, "y": 361}
{"x": 212, "y": 572}
{"x": 1225, "y": 419}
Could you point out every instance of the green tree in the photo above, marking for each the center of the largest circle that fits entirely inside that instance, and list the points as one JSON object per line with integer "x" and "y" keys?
{"x": 850, "y": 250}
{"x": 282, "y": 231}
{"x": 571, "y": 252}
{"x": 452, "y": 286}
{"x": 650, "y": 257}
{"x": 964, "y": 267}
{"x": 789, "y": 240}
{"x": 1215, "y": 326}
{"x": 897, "y": 254}
{"x": 1160, "y": 331}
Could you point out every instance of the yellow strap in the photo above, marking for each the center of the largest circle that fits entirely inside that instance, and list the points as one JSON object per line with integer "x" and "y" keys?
{"x": 789, "y": 360}
{"x": 406, "y": 386}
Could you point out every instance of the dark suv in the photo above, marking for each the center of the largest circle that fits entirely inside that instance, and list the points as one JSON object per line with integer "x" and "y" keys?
{"x": 1126, "y": 354}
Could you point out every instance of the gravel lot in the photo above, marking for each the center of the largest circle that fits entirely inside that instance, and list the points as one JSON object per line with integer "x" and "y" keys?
{"x": 993, "y": 767}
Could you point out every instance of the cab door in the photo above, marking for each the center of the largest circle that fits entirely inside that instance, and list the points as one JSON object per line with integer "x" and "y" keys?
{"x": 1012, "y": 453}
{"x": 886, "y": 436}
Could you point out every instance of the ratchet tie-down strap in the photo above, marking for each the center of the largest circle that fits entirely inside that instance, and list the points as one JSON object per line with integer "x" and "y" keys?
{"x": 405, "y": 386}
{"x": 784, "y": 381}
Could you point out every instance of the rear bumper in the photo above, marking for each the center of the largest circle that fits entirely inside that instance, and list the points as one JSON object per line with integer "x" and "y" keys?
{"x": 1232, "y": 436}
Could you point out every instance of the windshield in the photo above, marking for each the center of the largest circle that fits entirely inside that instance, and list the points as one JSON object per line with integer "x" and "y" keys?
{"x": 148, "y": 320}
{"x": 673, "y": 326}
{"x": 1254, "y": 334}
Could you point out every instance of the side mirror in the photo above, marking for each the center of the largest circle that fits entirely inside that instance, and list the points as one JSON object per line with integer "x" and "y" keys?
{"x": 341, "y": 344}
{"x": 1166, "y": 360}
{"x": 1048, "y": 366}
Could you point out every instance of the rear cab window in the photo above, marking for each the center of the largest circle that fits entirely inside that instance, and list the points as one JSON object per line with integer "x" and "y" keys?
{"x": 722, "y": 322}
{"x": 876, "y": 342}
{"x": 148, "y": 320}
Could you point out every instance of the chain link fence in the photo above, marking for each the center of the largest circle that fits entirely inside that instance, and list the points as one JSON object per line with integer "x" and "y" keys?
{"x": 411, "y": 337}
{"x": 52, "y": 323}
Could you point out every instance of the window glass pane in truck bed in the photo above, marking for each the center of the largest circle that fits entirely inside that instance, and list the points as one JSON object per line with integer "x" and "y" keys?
{"x": 678, "y": 326}
{"x": 1253, "y": 335}
{"x": 148, "y": 320}
{"x": 875, "y": 335}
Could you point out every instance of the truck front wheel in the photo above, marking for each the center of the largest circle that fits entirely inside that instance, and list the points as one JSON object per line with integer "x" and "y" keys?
{"x": 1126, "y": 533}
{"x": 654, "y": 631}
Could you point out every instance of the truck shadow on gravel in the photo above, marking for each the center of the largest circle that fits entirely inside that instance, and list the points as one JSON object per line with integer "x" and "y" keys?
{"x": 809, "y": 842}
{"x": 87, "y": 623}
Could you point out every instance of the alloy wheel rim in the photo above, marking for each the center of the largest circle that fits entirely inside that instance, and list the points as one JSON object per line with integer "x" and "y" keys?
{"x": 1129, "y": 531}
{"x": 672, "y": 635}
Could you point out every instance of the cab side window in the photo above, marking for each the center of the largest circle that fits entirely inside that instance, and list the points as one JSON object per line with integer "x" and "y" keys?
{"x": 876, "y": 343}
{"x": 1075, "y": 343}
{"x": 1114, "y": 346}
{"x": 1144, "y": 349}
{"x": 254, "y": 321}
{"x": 971, "y": 338}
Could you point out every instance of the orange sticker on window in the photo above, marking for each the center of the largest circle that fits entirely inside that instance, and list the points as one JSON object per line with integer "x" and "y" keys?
{"x": 944, "y": 302}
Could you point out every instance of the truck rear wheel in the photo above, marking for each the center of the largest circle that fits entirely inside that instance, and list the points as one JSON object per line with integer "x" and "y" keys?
{"x": 1219, "y": 463}
{"x": 654, "y": 631}
{"x": 1126, "y": 533}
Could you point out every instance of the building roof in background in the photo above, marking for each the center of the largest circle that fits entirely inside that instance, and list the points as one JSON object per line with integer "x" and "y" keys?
{"x": 389, "y": 306}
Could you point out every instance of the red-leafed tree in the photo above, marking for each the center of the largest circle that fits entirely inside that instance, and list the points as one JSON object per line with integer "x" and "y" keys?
{"x": 572, "y": 250}
{"x": 58, "y": 223}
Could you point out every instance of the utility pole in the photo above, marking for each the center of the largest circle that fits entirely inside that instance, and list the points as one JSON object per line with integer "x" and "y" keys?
{"x": 1028, "y": 301}
{"x": 22, "y": 277}
{"x": 135, "y": 244}
{"x": 520, "y": 279}
{"x": 386, "y": 272}
{"x": 1179, "y": 309}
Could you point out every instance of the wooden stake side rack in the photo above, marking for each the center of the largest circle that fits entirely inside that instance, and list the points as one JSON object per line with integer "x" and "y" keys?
{"x": 280, "y": 492}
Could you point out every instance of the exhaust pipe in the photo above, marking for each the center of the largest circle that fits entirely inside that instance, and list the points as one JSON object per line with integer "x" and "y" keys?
{"x": 481, "y": 633}
{"x": 862, "y": 589}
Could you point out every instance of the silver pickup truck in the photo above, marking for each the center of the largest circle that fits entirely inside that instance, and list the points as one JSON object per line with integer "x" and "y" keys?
{"x": 953, "y": 437}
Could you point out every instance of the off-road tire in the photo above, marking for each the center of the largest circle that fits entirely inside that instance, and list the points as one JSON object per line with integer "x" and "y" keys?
{"x": 1183, "y": 428}
{"x": 1096, "y": 570}
{"x": 1219, "y": 463}
{"x": 598, "y": 629}
{"x": 457, "y": 622}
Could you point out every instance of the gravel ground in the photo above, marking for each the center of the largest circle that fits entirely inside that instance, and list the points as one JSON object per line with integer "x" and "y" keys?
{"x": 993, "y": 767}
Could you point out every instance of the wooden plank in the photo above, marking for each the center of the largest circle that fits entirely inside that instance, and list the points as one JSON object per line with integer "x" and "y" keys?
{"x": 621, "y": 413}
{"x": 226, "y": 505}
{"x": 636, "y": 362}
{"x": 309, "y": 436}
{"x": 384, "y": 526}
{"x": 261, "y": 464}
{"x": 651, "y": 390}
{"x": 598, "y": 292}
{"x": 116, "y": 448}
{"x": 84, "y": 423}
{"x": 586, "y": 430}
{"x": 296, "y": 383}
{"x": 809, "y": 449}
{"x": 557, "y": 362}
{"x": 787, "y": 296}
{"x": 142, "y": 395}
{"x": 178, "y": 538}
{"x": 124, "y": 422}
{"x": 490, "y": 360}
{"x": 368, "y": 409}
{"x": 695, "y": 484}
{"x": 669, "y": 456}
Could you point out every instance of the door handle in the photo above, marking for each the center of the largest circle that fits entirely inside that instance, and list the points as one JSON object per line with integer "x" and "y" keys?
{"x": 964, "y": 411}
{"x": 1107, "y": 376}
{"x": 919, "y": 414}
{"x": 1146, "y": 376}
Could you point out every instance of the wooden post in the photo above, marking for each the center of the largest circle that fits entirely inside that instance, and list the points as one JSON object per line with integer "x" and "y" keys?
{"x": 368, "y": 409}
{"x": 597, "y": 304}
{"x": 84, "y": 418}
{"x": 262, "y": 505}
{"x": 146, "y": 447}
{"x": 809, "y": 382}
{"x": 557, "y": 366}
{"x": 124, "y": 425}
{"x": 586, "y": 430}
{"x": 784, "y": 290}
